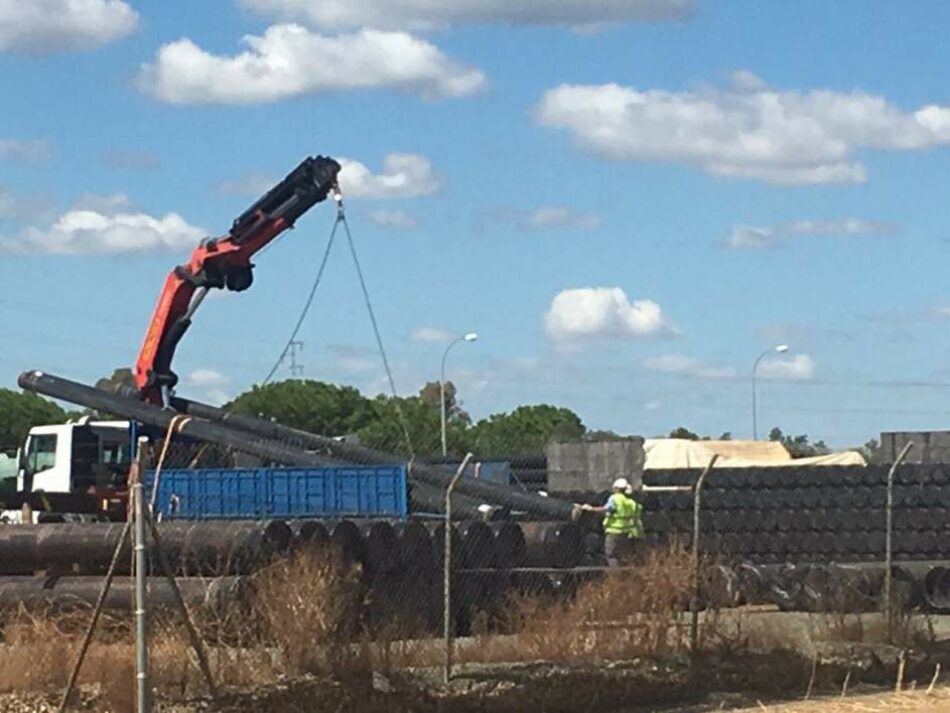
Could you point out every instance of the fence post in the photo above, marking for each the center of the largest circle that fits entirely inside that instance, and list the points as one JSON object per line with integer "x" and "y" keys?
{"x": 694, "y": 599}
{"x": 141, "y": 571}
{"x": 447, "y": 572}
{"x": 888, "y": 545}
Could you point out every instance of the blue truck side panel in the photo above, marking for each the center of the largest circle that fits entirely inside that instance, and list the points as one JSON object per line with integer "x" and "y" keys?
{"x": 255, "y": 493}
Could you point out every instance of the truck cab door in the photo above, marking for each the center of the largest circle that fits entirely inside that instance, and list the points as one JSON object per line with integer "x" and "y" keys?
{"x": 46, "y": 463}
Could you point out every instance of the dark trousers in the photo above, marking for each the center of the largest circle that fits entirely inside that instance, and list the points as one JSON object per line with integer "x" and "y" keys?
{"x": 618, "y": 549}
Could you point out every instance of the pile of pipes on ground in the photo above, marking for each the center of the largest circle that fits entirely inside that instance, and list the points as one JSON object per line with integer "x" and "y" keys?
{"x": 852, "y": 587}
{"x": 62, "y": 565}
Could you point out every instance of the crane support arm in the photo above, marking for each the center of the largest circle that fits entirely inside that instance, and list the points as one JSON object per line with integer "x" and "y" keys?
{"x": 224, "y": 262}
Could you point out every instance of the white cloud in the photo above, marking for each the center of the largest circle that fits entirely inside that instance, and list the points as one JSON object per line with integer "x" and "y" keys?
{"x": 745, "y": 130}
{"x": 431, "y": 335}
{"x": 252, "y": 184}
{"x": 847, "y": 226}
{"x": 687, "y": 366}
{"x": 556, "y": 217}
{"x": 206, "y": 378}
{"x": 798, "y": 367}
{"x": 24, "y": 151}
{"x": 41, "y": 26}
{"x": 80, "y": 232}
{"x": 404, "y": 175}
{"x": 747, "y": 237}
{"x": 289, "y": 61}
{"x": 213, "y": 384}
{"x": 397, "y": 219}
{"x": 427, "y": 14}
{"x": 653, "y": 405}
{"x": 602, "y": 313}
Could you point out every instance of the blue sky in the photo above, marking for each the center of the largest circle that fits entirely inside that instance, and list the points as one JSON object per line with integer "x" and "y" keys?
{"x": 628, "y": 200}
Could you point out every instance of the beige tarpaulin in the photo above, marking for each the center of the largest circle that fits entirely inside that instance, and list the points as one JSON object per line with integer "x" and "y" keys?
{"x": 682, "y": 453}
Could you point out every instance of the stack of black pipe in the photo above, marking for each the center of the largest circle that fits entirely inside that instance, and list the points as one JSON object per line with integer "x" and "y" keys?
{"x": 813, "y": 514}
{"x": 401, "y": 563}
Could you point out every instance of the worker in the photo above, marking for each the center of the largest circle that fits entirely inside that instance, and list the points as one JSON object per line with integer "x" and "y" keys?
{"x": 623, "y": 523}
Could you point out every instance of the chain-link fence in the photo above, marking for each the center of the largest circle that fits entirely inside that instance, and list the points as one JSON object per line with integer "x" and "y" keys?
{"x": 250, "y": 521}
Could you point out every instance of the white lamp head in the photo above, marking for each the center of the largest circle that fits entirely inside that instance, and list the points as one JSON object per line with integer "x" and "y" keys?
{"x": 470, "y": 337}
{"x": 781, "y": 348}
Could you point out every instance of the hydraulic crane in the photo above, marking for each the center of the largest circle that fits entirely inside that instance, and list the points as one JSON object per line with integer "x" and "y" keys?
{"x": 224, "y": 263}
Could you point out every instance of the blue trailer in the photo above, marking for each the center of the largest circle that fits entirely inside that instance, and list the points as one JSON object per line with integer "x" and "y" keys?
{"x": 261, "y": 493}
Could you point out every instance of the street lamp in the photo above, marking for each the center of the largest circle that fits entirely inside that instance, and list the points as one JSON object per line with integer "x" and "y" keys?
{"x": 470, "y": 337}
{"x": 781, "y": 349}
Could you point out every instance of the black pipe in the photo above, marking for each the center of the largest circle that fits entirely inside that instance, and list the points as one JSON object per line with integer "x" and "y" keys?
{"x": 415, "y": 545}
{"x": 553, "y": 544}
{"x": 381, "y": 544}
{"x": 133, "y": 409}
{"x": 233, "y": 547}
{"x": 82, "y": 592}
{"x": 424, "y": 497}
{"x": 310, "y": 536}
{"x": 429, "y": 481}
{"x": 510, "y": 547}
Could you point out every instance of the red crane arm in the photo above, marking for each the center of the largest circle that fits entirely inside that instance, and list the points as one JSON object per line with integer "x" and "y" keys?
{"x": 224, "y": 262}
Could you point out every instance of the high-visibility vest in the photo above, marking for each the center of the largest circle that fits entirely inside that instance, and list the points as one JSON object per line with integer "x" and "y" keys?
{"x": 625, "y": 518}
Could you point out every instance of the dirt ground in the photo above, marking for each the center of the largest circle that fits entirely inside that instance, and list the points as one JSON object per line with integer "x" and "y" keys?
{"x": 937, "y": 700}
{"x": 313, "y": 697}
{"x": 733, "y": 678}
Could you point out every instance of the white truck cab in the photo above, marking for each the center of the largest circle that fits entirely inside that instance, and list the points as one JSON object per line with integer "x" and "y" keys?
{"x": 75, "y": 456}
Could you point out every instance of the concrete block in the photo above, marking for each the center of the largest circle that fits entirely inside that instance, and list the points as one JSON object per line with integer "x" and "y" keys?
{"x": 594, "y": 466}
{"x": 929, "y": 446}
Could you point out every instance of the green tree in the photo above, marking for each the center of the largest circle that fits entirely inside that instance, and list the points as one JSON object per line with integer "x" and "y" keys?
{"x": 871, "y": 451}
{"x": 527, "y": 429}
{"x": 602, "y": 435}
{"x": 309, "y": 405}
{"x": 685, "y": 433}
{"x": 19, "y": 412}
{"x": 799, "y": 446}
{"x": 431, "y": 394}
{"x": 423, "y": 421}
{"x": 120, "y": 377}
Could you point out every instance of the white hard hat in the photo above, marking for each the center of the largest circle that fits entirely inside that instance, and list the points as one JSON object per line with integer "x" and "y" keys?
{"x": 622, "y": 484}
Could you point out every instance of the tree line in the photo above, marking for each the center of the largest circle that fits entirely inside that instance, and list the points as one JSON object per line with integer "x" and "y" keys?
{"x": 381, "y": 422}
{"x": 384, "y": 422}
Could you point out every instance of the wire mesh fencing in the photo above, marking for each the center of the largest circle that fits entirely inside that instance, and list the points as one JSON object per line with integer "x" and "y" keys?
{"x": 253, "y": 525}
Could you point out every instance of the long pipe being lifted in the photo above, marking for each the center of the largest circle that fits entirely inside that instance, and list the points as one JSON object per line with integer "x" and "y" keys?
{"x": 233, "y": 431}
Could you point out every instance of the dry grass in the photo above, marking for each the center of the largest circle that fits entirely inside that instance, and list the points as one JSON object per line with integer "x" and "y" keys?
{"x": 630, "y": 613}
{"x": 308, "y": 609}
{"x": 309, "y": 615}
{"x": 918, "y": 701}
{"x": 910, "y": 629}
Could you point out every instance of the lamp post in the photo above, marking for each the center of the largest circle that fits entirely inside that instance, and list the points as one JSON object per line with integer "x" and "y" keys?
{"x": 781, "y": 349}
{"x": 470, "y": 337}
